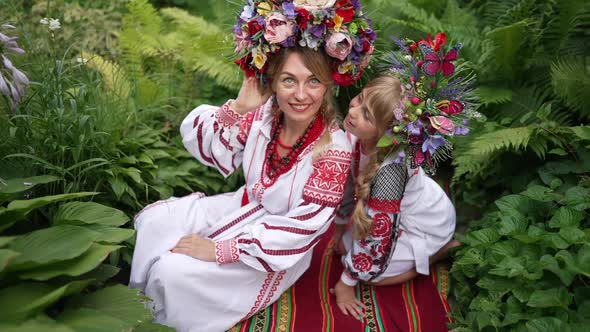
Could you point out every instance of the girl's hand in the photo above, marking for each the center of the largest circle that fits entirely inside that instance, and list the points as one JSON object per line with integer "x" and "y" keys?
{"x": 250, "y": 97}
{"x": 197, "y": 247}
{"x": 338, "y": 244}
{"x": 347, "y": 301}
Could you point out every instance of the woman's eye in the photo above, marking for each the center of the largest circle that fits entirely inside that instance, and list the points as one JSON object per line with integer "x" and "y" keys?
{"x": 314, "y": 81}
{"x": 288, "y": 80}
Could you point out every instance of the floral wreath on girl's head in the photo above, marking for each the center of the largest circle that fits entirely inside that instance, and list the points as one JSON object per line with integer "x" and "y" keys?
{"x": 338, "y": 26}
{"x": 436, "y": 105}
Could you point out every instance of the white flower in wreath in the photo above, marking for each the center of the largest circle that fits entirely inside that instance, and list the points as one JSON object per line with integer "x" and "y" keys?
{"x": 311, "y": 5}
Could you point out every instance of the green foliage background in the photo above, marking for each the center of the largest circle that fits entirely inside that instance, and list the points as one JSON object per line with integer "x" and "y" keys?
{"x": 96, "y": 138}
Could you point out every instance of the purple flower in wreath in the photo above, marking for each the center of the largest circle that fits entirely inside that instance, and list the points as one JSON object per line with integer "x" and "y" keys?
{"x": 432, "y": 143}
{"x": 401, "y": 155}
{"x": 414, "y": 127}
{"x": 289, "y": 10}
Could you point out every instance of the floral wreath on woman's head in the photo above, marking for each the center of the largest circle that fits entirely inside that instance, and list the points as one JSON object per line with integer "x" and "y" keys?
{"x": 437, "y": 101}
{"x": 339, "y": 26}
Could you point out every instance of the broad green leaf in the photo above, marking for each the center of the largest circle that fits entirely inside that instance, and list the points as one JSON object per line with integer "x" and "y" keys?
{"x": 117, "y": 301}
{"x": 28, "y": 299}
{"x": 89, "y": 213}
{"x": 118, "y": 186}
{"x": 4, "y": 240}
{"x": 538, "y": 193}
{"x": 481, "y": 237}
{"x": 522, "y": 293}
{"x": 7, "y": 256}
{"x": 582, "y": 132}
{"x": 509, "y": 267}
{"x": 72, "y": 267}
{"x": 102, "y": 273}
{"x": 505, "y": 248}
{"x": 470, "y": 256}
{"x": 549, "y": 262}
{"x": 90, "y": 320}
{"x": 112, "y": 235}
{"x": 573, "y": 235}
{"x": 18, "y": 209}
{"x": 12, "y": 186}
{"x": 578, "y": 198}
{"x": 39, "y": 324}
{"x": 554, "y": 297}
{"x": 546, "y": 324}
{"x": 152, "y": 327}
{"x": 555, "y": 241}
{"x": 51, "y": 245}
{"x": 566, "y": 216}
{"x": 512, "y": 224}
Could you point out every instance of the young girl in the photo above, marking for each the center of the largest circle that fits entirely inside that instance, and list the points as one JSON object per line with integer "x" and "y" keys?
{"x": 400, "y": 217}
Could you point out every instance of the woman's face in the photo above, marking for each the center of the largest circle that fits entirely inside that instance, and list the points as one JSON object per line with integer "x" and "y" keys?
{"x": 298, "y": 91}
{"x": 360, "y": 121}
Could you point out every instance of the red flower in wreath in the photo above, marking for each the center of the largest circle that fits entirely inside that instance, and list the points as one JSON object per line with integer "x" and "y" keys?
{"x": 381, "y": 225}
{"x": 362, "y": 262}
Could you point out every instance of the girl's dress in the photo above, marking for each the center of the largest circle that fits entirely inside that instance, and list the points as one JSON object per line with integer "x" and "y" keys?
{"x": 264, "y": 232}
{"x": 412, "y": 219}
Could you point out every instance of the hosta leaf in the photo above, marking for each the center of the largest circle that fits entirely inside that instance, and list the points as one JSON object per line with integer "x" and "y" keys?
{"x": 546, "y": 324}
{"x": 112, "y": 235}
{"x": 7, "y": 256}
{"x": 90, "y": 320}
{"x": 89, "y": 213}
{"x": 39, "y": 324}
{"x": 4, "y": 240}
{"x": 152, "y": 327}
{"x": 50, "y": 245}
{"x": 18, "y": 209}
{"x": 72, "y": 267}
{"x": 12, "y": 186}
{"x": 566, "y": 216}
{"x": 27, "y": 299}
{"x": 554, "y": 297}
{"x": 116, "y": 301}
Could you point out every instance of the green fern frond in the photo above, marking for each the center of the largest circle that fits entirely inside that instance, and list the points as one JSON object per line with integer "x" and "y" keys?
{"x": 493, "y": 95}
{"x": 114, "y": 76}
{"x": 570, "y": 78}
{"x": 508, "y": 41}
{"x": 427, "y": 22}
{"x": 568, "y": 20}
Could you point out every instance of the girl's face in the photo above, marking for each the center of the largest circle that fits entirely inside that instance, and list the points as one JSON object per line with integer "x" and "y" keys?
{"x": 360, "y": 121}
{"x": 298, "y": 91}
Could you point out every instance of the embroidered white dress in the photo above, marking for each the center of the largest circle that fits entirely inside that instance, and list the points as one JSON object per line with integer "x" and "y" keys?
{"x": 262, "y": 248}
{"x": 412, "y": 219}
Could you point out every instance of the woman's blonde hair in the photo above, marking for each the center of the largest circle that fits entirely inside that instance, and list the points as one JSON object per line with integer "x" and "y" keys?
{"x": 382, "y": 97}
{"x": 321, "y": 66}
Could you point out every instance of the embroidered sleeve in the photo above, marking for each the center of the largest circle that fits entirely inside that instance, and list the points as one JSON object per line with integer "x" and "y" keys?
{"x": 330, "y": 173}
{"x": 226, "y": 251}
{"x": 369, "y": 257}
{"x": 277, "y": 242}
{"x": 216, "y": 136}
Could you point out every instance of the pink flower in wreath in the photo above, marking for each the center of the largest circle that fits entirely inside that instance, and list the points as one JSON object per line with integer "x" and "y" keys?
{"x": 367, "y": 58}
{"x": 338, "y": 45}
{"x": 314, "y": 4}
{"x": 278, "y": 28}
{"x": 381, "y": 225}
{"x": 443, "y": 124}
{"x": 362, "y": 262}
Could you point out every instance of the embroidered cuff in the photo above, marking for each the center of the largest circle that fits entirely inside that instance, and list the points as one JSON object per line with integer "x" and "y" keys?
{"x": 347, "y": 279}
{"x": 226, "y": 116}
{"x": 226, "y": 251}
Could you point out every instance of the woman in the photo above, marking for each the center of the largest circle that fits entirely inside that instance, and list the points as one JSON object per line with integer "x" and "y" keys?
{"x": 400, "y": 219}
{"x": 208, "y": 262}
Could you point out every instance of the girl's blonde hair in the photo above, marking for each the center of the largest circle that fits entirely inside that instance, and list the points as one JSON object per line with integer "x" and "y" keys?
{"x": 382, "y": 97}
{"x": 321, "y": 66}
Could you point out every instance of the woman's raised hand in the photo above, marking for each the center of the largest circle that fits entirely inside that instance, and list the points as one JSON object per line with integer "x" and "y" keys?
{"x": 250, "y": 96}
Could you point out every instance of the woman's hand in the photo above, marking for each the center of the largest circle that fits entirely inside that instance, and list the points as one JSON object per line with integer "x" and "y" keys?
{"x": 347, "y": 301}
{"x": 197, "y": 247}
{"x": 338, "y": 244}
{"x": 250, "y": 97}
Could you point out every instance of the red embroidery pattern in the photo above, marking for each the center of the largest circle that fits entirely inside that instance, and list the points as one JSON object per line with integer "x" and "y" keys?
{"x": 260, "y": 296}
{"x": 274, "y": 288}
{"x": 235, "y": 221}
{"x": 226, "y": 116}
{"x": 385, "y": 205}
{"x": 326, "y": 184}
{"x": 293, "y": 230}
{"x": 223, "y": 140}
{"x": 226, "y": 251}
{"x": 280, "y": 252}
{"x": 309, "y": 215}
{"x": 381, "y": 225}
{"x": 258, "y": 191}
{"x": 362, "y": 262}
{"x": 245, "y": 125}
